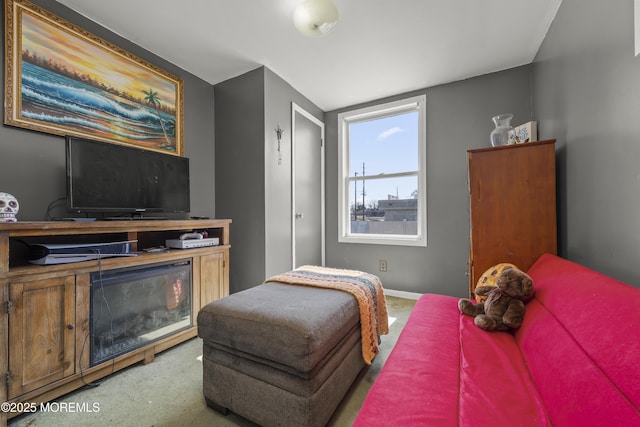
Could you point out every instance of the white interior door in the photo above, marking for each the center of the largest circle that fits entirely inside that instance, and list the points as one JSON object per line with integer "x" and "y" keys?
{"x": 308, "y": 188}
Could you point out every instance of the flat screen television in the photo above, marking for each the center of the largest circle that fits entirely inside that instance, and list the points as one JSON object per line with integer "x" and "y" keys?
{"x": 111, "y": 178}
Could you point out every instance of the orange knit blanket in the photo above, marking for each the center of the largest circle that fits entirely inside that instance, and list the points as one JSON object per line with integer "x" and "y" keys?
{"x": 365, "y": 287}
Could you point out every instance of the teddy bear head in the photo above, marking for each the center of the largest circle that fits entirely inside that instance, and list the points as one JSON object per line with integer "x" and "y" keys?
{"x": 489, "y": 278}
{"x": 516, "y": 283}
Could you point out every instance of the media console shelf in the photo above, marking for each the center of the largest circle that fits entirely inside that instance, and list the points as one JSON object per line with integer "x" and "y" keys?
{"x": 44, "y": 332}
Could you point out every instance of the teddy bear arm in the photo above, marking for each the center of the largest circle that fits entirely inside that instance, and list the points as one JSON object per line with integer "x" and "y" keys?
{"x": 514, "y": 314}
{"x": 483, "y": 290}
{"x": 469, "y": 308}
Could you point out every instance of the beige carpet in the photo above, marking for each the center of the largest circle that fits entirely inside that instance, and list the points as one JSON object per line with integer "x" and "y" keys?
{"x": 168, "y": 392}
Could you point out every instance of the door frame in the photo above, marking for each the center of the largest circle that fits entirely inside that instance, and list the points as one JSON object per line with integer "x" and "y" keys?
{"x": 295, "y": 108}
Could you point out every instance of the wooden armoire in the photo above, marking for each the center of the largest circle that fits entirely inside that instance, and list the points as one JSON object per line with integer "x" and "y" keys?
{"x": 512, "y": 197}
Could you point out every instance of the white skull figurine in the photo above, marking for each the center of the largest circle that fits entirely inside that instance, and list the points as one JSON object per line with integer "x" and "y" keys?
{"x": 9, "y": 207}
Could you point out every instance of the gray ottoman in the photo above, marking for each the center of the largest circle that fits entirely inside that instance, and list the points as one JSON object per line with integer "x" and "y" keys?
{"x": 280, "y": 355}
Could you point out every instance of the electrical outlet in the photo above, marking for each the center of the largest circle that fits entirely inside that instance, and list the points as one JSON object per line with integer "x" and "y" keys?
{"x": 383, "y": 265}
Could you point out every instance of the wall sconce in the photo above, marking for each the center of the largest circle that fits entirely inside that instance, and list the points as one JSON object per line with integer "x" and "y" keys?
{"x": 279, "y": 132}
{"x": 315, "y": 18}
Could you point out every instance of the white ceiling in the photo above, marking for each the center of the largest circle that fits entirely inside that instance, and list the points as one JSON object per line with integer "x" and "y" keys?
{"x": 379, "y": 47}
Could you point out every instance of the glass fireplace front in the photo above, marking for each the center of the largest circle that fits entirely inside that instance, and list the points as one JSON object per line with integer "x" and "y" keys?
{"x": 132, "y": 307}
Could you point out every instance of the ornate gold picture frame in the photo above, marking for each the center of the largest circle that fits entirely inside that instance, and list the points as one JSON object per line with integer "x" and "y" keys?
{"x": 62, "y": 80}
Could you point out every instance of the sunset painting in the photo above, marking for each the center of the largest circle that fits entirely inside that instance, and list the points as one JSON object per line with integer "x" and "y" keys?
{"x": 62, "y": 80}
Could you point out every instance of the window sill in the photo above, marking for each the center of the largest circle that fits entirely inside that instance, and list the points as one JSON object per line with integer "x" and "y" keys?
{"x": 382, "y": 239}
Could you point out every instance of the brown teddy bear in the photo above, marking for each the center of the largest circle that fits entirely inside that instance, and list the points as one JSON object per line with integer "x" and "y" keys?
{"x": 503, "y": 310}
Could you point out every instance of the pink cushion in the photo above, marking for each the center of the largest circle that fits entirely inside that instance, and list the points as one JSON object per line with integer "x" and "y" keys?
{"x": 444, "y": 370}
{"x": 580, "y": 341}
{"x": 419, "y": 383}
{"x": 495, "y": 387}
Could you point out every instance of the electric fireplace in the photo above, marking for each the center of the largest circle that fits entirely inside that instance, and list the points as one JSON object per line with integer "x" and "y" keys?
{"x": 132, "y": 307}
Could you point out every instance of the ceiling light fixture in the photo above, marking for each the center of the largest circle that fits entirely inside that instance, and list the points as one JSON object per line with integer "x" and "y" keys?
{"x": 315, "y": 18}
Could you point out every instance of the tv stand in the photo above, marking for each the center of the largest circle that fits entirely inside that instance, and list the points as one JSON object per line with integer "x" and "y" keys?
{"x": 45, "y": 314}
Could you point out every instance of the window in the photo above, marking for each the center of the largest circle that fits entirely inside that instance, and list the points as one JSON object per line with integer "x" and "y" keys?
{"x": 382, "y": 174}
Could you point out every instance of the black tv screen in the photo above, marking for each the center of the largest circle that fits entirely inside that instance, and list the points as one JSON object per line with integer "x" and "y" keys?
{"x": 106, "y": 177}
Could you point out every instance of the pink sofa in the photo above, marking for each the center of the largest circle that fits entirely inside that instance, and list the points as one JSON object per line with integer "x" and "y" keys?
{"x": 574, "y": 362}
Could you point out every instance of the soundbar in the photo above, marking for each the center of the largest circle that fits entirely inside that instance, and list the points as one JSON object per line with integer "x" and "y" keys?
{"x": 48, "y": 253}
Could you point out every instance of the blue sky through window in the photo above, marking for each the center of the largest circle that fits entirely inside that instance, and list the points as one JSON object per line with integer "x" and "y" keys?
{"x": 384, "y": 145}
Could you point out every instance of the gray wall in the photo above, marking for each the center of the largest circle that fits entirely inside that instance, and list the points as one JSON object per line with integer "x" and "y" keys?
{"x": 239, "y": 105}
{"x": 34, "y": 163}
{"x": 458, "y": 119}
{"x": 278, "y": 98}
{"x": 582, "y": 89}
{"x": 251, "y": 188}
{"x": 586, "y": 94}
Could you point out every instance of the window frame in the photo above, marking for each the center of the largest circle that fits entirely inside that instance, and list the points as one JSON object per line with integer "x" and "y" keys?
{"x": 415, "y": 103}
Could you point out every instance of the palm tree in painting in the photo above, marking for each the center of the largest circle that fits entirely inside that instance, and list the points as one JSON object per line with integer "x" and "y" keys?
{"x": 153, "y": 100}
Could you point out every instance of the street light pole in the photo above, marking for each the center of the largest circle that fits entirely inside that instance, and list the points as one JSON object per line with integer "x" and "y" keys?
{"x": 355, "y": 197}
{"x": 363, "y": 193}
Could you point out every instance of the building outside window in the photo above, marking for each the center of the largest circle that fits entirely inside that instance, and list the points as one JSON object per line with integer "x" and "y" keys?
{"x": 382, "y": 174}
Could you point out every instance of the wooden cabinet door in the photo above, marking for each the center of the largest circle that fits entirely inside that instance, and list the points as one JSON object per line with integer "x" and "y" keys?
{"x": 214, "y": 277}
{"x": 512, "y": 193}
{"x": 41, "y": 333}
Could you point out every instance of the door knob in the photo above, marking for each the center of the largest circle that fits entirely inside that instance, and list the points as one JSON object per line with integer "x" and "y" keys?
{"x": 299, "y": 215}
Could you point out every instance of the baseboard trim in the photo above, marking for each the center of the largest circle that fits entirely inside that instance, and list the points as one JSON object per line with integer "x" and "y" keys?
{"x": 402, "y": 294}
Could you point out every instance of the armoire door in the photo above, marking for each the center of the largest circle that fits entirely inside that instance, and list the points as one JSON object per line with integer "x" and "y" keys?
{"x": 512, "y": 195}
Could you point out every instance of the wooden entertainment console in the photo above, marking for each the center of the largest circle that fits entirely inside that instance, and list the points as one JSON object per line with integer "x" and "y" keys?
{"x": 45, "y": 308}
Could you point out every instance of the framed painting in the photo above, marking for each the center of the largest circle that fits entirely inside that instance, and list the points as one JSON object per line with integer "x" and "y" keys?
{"x": 62, "y": 80}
